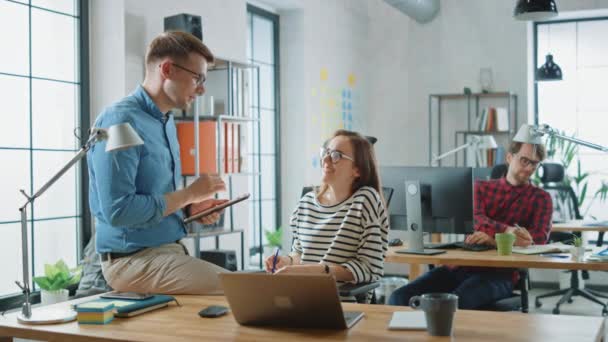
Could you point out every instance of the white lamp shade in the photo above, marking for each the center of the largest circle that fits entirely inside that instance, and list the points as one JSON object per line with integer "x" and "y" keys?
{"x": 487, "y": 142}
{"x": 528, "y": 135}
{"x": 122, "y": 136}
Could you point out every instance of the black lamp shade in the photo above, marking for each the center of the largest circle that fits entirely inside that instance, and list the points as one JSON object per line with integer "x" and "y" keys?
{"x": 549, "y": 71}
{"x": 535, "y": 9}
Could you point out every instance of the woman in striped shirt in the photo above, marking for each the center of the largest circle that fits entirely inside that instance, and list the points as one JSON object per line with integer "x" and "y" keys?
{"x": 342, "y": 228}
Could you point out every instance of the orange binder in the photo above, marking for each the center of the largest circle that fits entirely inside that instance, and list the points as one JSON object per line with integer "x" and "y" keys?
{"x": 207, "y": 147}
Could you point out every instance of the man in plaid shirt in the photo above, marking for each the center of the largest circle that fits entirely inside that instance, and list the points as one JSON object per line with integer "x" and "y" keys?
{"x": 509, "y": 204}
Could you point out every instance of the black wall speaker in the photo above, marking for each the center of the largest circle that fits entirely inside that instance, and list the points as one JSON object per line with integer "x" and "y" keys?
{"x": 186, "y": 23}
{"x": 222, "y": 258}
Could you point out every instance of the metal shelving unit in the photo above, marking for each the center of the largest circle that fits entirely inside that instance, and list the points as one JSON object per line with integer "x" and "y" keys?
{"x": 197, "y": 230}
{"x": 473, "y": 102}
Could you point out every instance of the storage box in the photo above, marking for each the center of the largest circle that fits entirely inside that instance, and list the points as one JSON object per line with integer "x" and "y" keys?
{"x": 207, "y": 147}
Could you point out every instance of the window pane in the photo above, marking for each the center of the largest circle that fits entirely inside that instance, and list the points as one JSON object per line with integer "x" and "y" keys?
{"x": 54, "y": 240}
{"x": 592, "y": 89}
{"x": 269, "y": 215}
{"x": 10, "y": 258}
{"x": 249, "y": 52}
{"x": 590, "y": 51}
{"x": 60, "y": 198}
{"x": 14, "y": 25}
{"x": 263, "y": 40}
{"x": 54, "y": 57}
{"x": 267, "y": 87}
{"x": 13, "y": 179}
{"x": 63, "y": 6}
{"x": 252, "y": 139}
{"x": 592, "y": 127}
{"x": 268, "y": 177}
{"x": 268, "y": 132}
{"x": 54, "y": 114}
{"x": 15, "y": 128}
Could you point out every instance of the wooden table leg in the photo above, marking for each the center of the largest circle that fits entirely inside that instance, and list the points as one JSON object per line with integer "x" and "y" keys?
{"x": 415, "y": 272}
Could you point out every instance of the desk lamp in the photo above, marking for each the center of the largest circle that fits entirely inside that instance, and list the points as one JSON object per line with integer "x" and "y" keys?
{"x": 477, "y": 142}
{"x": 119, "y": 137}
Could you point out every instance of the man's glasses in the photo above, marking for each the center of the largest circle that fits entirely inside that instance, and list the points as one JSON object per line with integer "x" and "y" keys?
{"x": 525, "y": 162}
{"x": 334, "y": 155}
{"x": 199, "y": 79}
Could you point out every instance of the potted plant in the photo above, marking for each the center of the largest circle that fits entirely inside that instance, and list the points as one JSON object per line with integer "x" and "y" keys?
{"x": 578, "y": 250}
{"x": 274, "y": 240}
{"x": 56, "y": 279}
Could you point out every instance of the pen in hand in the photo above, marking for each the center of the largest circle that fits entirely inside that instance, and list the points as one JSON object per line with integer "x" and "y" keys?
{"x": 274, "y": 260}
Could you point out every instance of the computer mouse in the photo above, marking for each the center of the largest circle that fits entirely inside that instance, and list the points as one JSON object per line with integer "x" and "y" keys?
{"x": 395, "y": 242}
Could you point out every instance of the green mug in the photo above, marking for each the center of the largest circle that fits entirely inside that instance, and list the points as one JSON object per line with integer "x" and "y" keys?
{"x": 504, "y": 243}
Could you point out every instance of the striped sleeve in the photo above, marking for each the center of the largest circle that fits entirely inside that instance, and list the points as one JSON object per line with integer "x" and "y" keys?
{"x": 368, "y": 264}
{"x": 296, "y": 246}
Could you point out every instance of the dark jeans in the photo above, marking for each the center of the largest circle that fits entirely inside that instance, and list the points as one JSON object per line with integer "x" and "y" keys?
{"x": 473, "y": 288}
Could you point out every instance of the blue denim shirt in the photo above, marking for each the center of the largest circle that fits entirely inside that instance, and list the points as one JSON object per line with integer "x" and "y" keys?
{"x": 126, "y": 189}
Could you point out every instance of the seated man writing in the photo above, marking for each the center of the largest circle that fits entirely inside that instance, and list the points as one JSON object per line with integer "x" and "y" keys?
{"x": 509, "y": 204}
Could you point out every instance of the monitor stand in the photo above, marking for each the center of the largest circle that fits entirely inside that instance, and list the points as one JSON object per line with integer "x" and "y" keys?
{"x": 415, "y": 242}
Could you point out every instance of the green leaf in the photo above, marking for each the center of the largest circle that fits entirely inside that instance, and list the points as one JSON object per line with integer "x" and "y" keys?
{"x": 42, "y": 282}
{"x": 581, "y": 198}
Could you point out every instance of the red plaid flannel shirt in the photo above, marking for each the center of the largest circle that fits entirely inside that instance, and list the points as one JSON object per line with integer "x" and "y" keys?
{"x": 499, "y": 205}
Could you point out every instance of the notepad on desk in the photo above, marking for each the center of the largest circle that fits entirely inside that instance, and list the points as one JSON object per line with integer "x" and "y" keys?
{"x": 407, "y": 320}
{"x": 556, "y": 247}
{"x": 129, "y": 308}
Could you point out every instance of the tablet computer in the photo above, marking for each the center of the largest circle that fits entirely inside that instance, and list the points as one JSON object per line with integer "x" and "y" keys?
{"x": 216, "y": 208}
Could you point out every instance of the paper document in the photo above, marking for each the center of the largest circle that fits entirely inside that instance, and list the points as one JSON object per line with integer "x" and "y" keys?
{"x": 408, "y": 320}
{"x": 556, "y": 247}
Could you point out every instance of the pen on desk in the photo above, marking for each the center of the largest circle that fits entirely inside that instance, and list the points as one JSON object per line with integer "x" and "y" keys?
{"x": 274, "y": 260}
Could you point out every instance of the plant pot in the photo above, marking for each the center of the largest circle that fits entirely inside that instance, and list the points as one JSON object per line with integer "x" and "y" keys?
{"x": 52, "y": 297}
{"x": 577, "y": 253}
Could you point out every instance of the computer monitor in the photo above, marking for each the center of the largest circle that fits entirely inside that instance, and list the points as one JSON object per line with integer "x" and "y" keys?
{"x": 446, "y": 197}
{"x": 431, "y": 199}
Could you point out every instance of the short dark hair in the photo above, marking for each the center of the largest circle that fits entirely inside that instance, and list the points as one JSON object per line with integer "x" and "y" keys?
{"x": 541, "y": 151}
{"x": 177, "y": 45}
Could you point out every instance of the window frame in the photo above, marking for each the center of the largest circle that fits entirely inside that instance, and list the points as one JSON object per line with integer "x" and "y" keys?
{"x": 84, "y": 228}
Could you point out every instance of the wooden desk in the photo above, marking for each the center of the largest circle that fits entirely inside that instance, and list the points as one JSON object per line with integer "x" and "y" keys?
{"x": 459, "y": 257}
{"x": 577, "y": 226}
{"x": 183, "y": 324}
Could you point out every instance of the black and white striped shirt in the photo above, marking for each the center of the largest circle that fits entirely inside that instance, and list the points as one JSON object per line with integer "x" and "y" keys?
{"x": 352, "y": 234}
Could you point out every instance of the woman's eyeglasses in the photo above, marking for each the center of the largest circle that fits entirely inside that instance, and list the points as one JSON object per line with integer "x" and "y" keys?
{"x": 334, "y": 155}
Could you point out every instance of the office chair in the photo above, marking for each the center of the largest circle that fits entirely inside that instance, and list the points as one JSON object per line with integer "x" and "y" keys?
{"x": 565, "y": 204}
{"x": 363, "y": 292}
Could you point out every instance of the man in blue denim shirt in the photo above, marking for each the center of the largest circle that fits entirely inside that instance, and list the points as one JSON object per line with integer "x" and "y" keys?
{"x": 134, "y": 193}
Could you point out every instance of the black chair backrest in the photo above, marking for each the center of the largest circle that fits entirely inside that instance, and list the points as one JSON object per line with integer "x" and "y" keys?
{"x": 565, "y": 203}
{"x": 499, "y": 171}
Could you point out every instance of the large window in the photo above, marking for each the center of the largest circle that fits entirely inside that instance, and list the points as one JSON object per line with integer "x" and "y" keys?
{"x": 577, "y": 104}
{"x": 262, "y": 51}
{"x": 41, "y": 85}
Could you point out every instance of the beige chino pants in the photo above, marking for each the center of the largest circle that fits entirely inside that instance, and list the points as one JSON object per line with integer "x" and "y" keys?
{"x": 165, "y": 269}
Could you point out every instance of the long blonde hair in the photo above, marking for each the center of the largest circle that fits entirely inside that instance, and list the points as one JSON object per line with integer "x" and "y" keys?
{"x": 364, "y": 160}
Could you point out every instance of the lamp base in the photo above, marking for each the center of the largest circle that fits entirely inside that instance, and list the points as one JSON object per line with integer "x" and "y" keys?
{"x": 48, "y": 316}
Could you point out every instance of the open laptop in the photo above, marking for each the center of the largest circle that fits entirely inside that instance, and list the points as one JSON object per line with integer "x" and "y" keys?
{"x": 297, "y": 301}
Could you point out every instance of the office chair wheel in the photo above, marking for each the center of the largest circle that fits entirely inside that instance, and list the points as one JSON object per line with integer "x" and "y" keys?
{"x": 556, "y": 311}
{"x": 537, "y": 303}
{"x": 605, "y": 312}
{"x": 569, "y": 301}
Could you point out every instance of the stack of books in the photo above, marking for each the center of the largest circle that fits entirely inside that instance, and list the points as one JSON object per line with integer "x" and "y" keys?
{"x": 95, "y": 312}
{"x": 103, "y": 310}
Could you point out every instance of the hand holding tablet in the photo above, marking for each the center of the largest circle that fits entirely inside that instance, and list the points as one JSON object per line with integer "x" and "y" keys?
{"x": 216, "y": 208}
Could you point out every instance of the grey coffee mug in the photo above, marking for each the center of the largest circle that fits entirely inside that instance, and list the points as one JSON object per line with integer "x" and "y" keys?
{"x": 439, "y": 311}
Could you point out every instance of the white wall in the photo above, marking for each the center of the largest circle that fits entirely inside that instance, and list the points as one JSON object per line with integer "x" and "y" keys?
{"x": 367, "y": 39}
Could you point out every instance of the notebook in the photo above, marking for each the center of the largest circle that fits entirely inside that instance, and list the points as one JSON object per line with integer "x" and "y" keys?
{"x": 129, "y": 308}
{"x": 556, "y": 247}
{"x": 407, "y": 320}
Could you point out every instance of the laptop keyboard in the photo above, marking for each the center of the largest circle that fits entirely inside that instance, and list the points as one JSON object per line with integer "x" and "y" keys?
{"x": 459, "y": 244}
